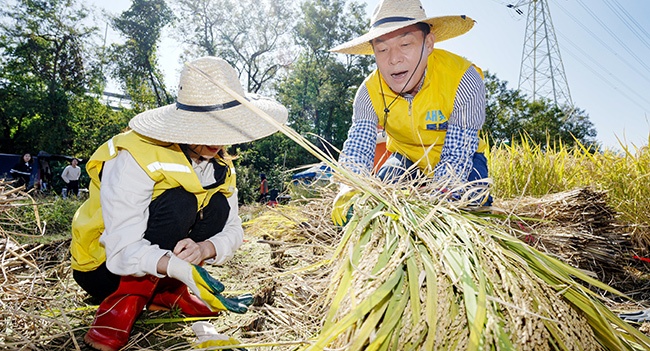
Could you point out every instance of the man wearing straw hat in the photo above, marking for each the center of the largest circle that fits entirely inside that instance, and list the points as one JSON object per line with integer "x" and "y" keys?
{"x": 430, "y": 102}
{"x": 163, "y": 201}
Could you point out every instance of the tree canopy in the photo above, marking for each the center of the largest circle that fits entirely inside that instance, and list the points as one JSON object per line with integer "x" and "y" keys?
{"x": 54, "y": 71}
{"x": 135, "y": 62}
{"x": 46, "y": 61}
{"x": 510, "y": 116}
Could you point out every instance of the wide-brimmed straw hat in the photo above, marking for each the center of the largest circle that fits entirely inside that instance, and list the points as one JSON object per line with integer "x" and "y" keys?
{"x": 391, "y": 15}
{"x": 204, "y": 114}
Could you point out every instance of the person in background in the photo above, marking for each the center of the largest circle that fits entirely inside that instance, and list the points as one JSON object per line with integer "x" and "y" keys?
{"x": 163, "y": 202}
{"x": 430, "y": 102}
{"x": 46, "y": 173}
{"x": 22, "y": 170}
{"x": 264, "y": 189}
{"x": 70, "y": 175}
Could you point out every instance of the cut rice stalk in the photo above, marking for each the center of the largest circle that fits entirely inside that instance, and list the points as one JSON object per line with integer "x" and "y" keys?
{"x": 481, "y": 288}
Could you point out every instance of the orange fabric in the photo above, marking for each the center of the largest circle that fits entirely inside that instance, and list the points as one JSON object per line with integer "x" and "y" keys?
{"x": 381, "y": 155}
{"x": 264, "y": 188}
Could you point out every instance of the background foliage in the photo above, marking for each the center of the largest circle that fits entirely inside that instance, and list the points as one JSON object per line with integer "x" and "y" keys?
{"x": 55, "y": 68}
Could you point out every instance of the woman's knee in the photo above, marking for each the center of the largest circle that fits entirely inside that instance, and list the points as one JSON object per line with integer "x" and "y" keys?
{"x": 212, "y": 218}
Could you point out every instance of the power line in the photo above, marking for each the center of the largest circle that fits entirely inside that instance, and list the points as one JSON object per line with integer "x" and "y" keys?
{"x": 616, "y": 38}
{"x": 599, "y": 40}
{"x": 598, "y": 74}
{"x": 622, "y": 9}
{"x": 627, "y": 21}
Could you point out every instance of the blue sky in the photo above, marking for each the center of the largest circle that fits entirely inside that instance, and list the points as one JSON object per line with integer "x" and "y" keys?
{"x": 604, "y": 45}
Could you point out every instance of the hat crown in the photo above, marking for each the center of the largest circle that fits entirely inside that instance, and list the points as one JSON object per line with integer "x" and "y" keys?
{"x": 211, "y": 109}
{"x": 195, "y": 90}
{"x": 397, "y": 10}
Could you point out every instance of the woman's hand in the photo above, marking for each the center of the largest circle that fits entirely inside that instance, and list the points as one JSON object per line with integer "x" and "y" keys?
{"x": 193, "y": 252}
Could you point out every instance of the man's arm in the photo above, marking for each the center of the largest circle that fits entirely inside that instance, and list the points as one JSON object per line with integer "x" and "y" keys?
{"x": 358, "y": 152}
{"x": 466, "y": 120}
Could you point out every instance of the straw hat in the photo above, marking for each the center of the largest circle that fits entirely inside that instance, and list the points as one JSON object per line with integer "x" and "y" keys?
{"x": 204, "y": 114}
{"x": 391, "y": 15}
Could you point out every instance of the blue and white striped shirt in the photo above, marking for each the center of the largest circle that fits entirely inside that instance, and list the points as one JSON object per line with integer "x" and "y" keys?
{"x": 461, "y": 140}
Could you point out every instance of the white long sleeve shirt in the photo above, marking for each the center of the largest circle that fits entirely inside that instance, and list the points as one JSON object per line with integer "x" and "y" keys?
{"x": 71, "y": 173}
{"x": 125, "y": 195}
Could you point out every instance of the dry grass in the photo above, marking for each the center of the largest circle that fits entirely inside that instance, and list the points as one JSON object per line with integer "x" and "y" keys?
{"x": 580, "y": 228}
{"x": 534, "y": 170}
{"x": 283, "y": 262}
{"x": 42, "y": 308}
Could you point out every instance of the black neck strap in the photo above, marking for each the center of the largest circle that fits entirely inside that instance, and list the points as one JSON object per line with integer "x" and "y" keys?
{"x": 209, "y": 108}
{"x": 392, "y": 19}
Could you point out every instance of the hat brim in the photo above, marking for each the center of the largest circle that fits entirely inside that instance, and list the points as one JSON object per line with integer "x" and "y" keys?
{"x": 234, "y": 125}
{"x": 442, "y": 27}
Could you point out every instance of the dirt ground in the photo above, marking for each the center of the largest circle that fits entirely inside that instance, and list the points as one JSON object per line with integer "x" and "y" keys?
{"x": 44, "y": 309}
{"x": 282, "y": 262}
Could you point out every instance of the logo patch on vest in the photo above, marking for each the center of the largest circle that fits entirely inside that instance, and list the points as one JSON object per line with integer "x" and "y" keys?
{"x": 437, "y": 121}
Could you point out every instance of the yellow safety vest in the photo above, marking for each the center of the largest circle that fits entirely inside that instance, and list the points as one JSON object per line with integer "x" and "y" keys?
{"x": 417, "y": 129}
{"x": 166, "y": 165}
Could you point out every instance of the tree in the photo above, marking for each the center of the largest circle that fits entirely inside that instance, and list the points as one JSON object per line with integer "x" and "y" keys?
{"x": 510, "y": 116}
{"x": 135, "y": 63}
{"x": 504, "y": 110}
{"x": 253, "y": 36}
{"x": 44, "y": 65}
{"x": 318, "y": 91}
{"x": 321, "y": 86}
{"x": 93, "y": 123}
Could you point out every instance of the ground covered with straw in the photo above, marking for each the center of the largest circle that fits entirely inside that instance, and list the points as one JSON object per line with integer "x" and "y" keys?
{"x": 42, "y": 308}
{"x": 308, "y": 276}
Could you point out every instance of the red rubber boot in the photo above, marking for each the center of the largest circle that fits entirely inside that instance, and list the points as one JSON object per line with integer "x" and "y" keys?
{"x": 172, "y": 293}
{"x": 117, "y": 313}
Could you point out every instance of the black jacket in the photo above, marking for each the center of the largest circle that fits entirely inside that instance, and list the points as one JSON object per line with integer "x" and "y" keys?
{"x": 22, "y": 171}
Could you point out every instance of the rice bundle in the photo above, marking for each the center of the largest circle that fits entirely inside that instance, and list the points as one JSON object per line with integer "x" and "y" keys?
{"x": 415, "y": 273}
{"x": 413, "y": 276}
{"x": 578, "y": 227}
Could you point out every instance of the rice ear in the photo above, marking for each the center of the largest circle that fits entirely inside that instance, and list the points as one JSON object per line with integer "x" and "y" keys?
{"x": 447, "y": 261}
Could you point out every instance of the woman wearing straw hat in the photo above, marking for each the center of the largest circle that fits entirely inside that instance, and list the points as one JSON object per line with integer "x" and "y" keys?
{"x": 163, "y": 201}
{"x": 430, "y": 102}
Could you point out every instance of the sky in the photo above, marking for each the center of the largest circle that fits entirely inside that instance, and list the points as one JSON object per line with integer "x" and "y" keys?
{"x": 604, "y": 47}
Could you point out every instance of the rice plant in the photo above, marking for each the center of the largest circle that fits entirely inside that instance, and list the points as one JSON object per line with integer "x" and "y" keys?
{"x": 414, "y": 272}
{"x": 422, "y": 275}
{"x": 529, "y": 169}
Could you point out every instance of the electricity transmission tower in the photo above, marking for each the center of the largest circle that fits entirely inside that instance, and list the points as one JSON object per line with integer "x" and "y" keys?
{"x": 542, "y": 72}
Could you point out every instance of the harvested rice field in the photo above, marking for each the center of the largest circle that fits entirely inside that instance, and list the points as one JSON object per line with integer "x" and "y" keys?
{"x": 385, "y": 281}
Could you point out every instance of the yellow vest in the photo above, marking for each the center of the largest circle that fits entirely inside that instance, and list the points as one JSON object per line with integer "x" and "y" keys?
{"x": 165, "y": 164}
{"x": 417, "y": 130}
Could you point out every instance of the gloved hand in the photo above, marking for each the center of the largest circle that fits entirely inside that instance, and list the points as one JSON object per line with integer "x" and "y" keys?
{"x": 343, "y": 204}
{"x": 205, "y": 287}
{"x": 637, "y": 317}
{"x": 207, "y": 336}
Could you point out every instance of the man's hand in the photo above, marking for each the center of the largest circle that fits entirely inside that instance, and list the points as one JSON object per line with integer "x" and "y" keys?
{"x": 205, "y": 287}
{"x": 342, "y": 204}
